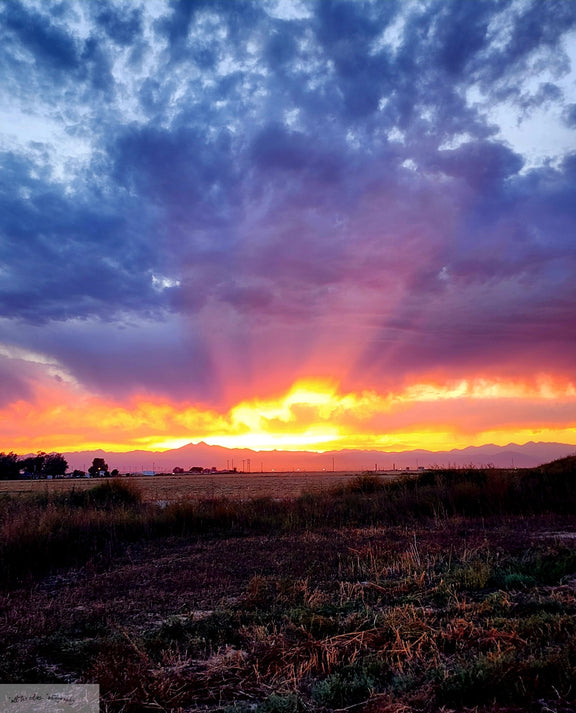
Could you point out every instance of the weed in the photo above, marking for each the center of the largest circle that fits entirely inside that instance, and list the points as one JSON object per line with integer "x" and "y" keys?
{"x": 343, "y": 688}
{"x": 518, "y": 580}
{"x": 280, "y": 704}
{"x": 496, "y": 604}
{"x": 472, "y": 575}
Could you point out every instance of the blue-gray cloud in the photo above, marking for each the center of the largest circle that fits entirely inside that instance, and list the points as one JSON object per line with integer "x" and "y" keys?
{"x": 229, "y": 166}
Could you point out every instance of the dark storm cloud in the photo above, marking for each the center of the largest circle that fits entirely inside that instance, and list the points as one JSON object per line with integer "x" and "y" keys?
{"x": 254, "y": 167}
{"x": 570, "y": 116}
{"x": 46, "y": 43}
{"x": 505, "y": 295}
{"x": 461, "y": 33}
{"x": 275, "y": 149}
{"x": 482, "y": 165}
{"x": 178, "y": 169}
{"x": 68, "y": 257}
{"x": 122, "y": 25}
{"x": 540, "y": 25}
{"x": 39, "y": 52}
{"x": 239, "y": 18}
{"x": 346, "y": 31}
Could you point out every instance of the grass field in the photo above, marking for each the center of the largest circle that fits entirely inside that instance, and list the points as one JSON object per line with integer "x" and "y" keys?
{"x": 169, "y": 488}
{"x": 455, "y": 591}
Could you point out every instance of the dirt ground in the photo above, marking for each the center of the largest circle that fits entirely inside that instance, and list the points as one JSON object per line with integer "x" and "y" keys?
{"x": 460, "y": 616}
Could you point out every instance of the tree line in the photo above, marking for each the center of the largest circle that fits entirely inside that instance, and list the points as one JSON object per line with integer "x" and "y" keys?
{"x": 12, "y": 466}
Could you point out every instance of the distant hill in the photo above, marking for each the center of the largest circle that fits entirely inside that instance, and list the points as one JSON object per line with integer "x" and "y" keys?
{"x": 562, "y": 465}
{"x": 201, "y": 454}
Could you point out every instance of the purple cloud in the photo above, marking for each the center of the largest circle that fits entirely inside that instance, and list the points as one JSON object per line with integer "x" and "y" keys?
{"x": 201, "y": 178}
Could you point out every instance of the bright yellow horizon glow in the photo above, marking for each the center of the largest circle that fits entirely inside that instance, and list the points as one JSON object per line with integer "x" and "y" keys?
{"x": 314, "y": 415}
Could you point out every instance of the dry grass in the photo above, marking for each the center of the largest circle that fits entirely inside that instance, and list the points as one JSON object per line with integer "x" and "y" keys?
{"x": 455, "y": 592}
{"x": 462, "y": 616}
{"x": 170, "y": 488}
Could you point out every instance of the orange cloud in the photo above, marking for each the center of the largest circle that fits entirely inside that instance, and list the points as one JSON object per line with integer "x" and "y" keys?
{"x": 313, "y": 415}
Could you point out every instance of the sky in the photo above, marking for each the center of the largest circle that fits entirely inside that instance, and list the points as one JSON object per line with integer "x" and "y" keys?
{"x": 290, "y": 224}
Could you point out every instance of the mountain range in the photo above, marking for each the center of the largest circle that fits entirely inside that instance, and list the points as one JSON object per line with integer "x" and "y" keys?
{"x": 201, "y": 454}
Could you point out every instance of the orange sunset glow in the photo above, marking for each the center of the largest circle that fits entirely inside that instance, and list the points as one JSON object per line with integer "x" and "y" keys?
{"x": 312, "y": 415}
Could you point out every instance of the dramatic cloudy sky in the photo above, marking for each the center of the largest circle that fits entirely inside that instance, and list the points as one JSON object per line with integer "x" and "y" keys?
{"x": 287, "y": 223}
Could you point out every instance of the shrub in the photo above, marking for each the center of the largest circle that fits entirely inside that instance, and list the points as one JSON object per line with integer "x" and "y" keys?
{"x": 365, "y": 483}
{"x": 113, "y": 493}
{"x": 279, "y": 704}
{"x": 518, "y": 580}
{"x": 346, "y": 687}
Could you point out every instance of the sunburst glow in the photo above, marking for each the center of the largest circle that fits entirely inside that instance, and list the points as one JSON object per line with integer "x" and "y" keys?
{"x": 312, "y": 415}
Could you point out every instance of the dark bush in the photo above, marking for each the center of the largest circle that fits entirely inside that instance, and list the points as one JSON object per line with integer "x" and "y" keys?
{"x": 106, "y": 495}
{"x": 365, "y": 483}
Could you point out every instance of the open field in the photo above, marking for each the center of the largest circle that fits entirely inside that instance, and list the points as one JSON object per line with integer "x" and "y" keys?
{"x": 169, "y": 488}
{"x": 452, "y": 592}
{"x": 388, "y": 620}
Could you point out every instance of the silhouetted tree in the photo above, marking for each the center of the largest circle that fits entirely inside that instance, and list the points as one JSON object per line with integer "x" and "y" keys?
{"x": 9, "y": 466}
{"x": 98, "y": 465}
{"x": 54, "y": 464}
{"x": 33, "y": 464}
